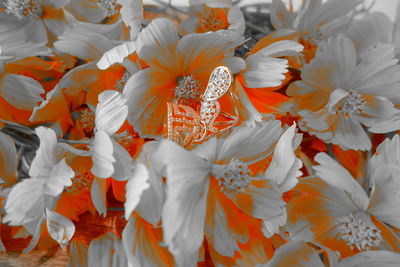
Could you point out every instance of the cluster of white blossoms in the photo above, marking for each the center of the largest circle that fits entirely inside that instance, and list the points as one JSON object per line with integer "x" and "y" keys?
{"x": 221, "y": 134}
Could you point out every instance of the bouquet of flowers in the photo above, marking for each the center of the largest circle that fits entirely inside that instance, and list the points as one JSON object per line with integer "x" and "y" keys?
{"x": 223, "y": 134}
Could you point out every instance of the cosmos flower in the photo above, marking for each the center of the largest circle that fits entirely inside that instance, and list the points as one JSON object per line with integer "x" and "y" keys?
{"x": 203, "y": 18}
{"x": 266, "y": 67}
{"x": 338, "y": 96}
{"x": 299, "y": 254}
{"x": 50, "y": 174}
{"x": 208, "y": 185}
{"x": 178, "y": 69}
{"x": 370, "y": 31}
{"x": 334, "y": 211}
{"x": 314, "y": 21}
{"x": 32, "y": 21}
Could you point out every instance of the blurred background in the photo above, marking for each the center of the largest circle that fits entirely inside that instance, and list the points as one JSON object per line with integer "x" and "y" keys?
{"x": 386, "y": 6}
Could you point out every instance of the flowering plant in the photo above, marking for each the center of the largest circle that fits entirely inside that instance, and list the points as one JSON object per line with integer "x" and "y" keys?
{"x": 223, "y": 134}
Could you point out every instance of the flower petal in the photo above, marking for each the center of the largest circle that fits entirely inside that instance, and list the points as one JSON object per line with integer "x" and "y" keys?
{"x": 21, "y": 91}
{"x": 123, "y": 165}
{"x": 77, "y": 256}
{"x": 98, "y": 192}
{"x": 250, "y": 144}
{"x": 103, "y": 159}
{"x": 142, "y": 244}
{"x": 384, "y": 202}
{"x": 336, "y": 175}
{"x": 111, "y": 112}
{"x": 60, "y": 228}
{"x": 116, "y": 54}
{"x": 285, "y": 167}
{"x": 135, "y": 187}
{"x": 60, "y": 177}
{"x": 372, "y": 258}
{"x": 24, "y": 202}
{"x": 296, "y": 253}
{"x": 185, "y": 207}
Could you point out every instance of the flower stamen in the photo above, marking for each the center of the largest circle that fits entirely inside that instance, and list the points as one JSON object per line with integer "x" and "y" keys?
{"x": 356, "y": 232}
{"x": 24, "y": 8}
{"x": 233, "y": 177}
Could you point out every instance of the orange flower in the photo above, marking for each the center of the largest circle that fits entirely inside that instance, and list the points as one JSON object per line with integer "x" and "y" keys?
{"x": 178, "y": 71}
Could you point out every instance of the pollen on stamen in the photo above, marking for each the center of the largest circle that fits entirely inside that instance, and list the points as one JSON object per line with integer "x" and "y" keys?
{"x": 80, "y": 182}
{"x": 124, "y": 138}
{"x": 211, "y": 22}
{"x": 234, "y": 177}
{"x": 358, "y": 233}
{"x": 187, "y": 89}
{"x": 23, "y": 8}
{"x": 353, "y": 104}
{"x": 87, "y": 119}
{"x": 111, "y": 6}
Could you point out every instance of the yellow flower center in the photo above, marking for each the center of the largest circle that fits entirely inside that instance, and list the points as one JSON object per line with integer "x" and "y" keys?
{"x": 210, "y": 21}
{"x": 360, "y": 233}
{"x": 24, "y": 8}
{"x": 352, "y": 104}
{"x": 124, "y": 138}
{"x": 233, "y": 177}
{"x": 80, "y": 182}
{"x": 86, "y": 119}
{"x": 111, "y": 6}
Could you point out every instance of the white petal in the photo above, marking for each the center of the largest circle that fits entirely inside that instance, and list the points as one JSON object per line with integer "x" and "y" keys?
{"x": 103, "y": 159}
{"x": 123, "y": 165}
{"x": 8, "y": 159}
{"x": 77, "y": 254}
{"x": 111, "y": 112}
{"x": 135, "y": 187}
{"x": 44, "y": 159}
{"x": 36, "y": 236}
{"x": 156, "y": 42}
{"x": 98, "y": 194}
{"x": 152, "y": 199}
{"x": 349, "y": 134}
{"x": 82, "y": 43}
{"x": 143, "y": 245}
{"x": 337, "y": 176}
{"x": 272, "y": 226}
{"x": 334, "y": 98}
{"x": 60, "y": 177}
{"x": 236, "y": 20}
{"x": 61, "y": 229}
{"x": 381, "y": 258}
{"x": 264, "y": 71}
{"x": 296, "y": 253}
{"x": 100, "y": 251}
{"x": 184, "y": 210}
{"x": 132, "y": 15}
{"x": 24, "y": 202}
{"x": 387, "y": 153}
{"x": 120, "y": 258}
{"x": 116, "y": 55}
{"x": 384, "y": 203}
{"x": 250, "y": 143}
{"x": 285, "y": 167}
{"x": 262, "y": 200}
{"x": 21, "y": 91}
{"x": 280, "y": 16}
{"x": 212, "y": 3}
{"x": 372, "y": 29}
